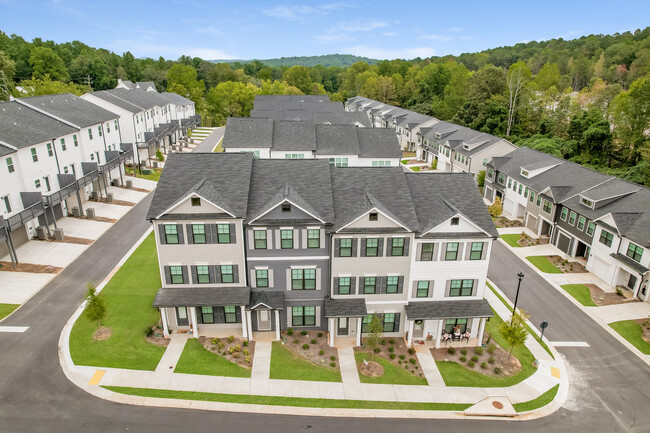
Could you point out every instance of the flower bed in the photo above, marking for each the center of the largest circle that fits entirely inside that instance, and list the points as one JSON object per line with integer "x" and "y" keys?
{"x": 236, "y": 350}
{"x": 505, "y": 222}
{"x": 490, "y": 361}
{"x": 394, "y": 350}
{"x": 312, "y": 346}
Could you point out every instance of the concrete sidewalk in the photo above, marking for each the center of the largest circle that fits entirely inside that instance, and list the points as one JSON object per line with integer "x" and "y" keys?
{"x": 348, "y": 365}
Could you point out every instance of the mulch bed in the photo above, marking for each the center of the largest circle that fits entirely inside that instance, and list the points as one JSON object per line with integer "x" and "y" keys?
{"x": 30, "y": 267}
{"x": 500, "y": 359}
{"x": 319, "y": 353}
{"x": 505, "y": 222}
{"x": 134, "y": 188}
{"x": 567, "y": 266}
{"x": 645, "y": 324}
{"x": 102, "y": 333}
{"x": 402, "y": 358}
{"x": 71, "y": 240}
{"x": 406, "y": 154}
{"x": 118, "y": 202}
{"x": 235, "y": 350}
{"x": 103, "y": 219}
{"x": 600, "y": 297}
{"x": 527, "y": 241}
{"x": 371, "y": 369}
{"x": 158, "y": 337}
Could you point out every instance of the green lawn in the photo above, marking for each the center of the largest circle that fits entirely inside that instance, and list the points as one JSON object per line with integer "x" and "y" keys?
{"x": 581, "y": 293}
{"x": 392, "y": 374}
{"x": 286, "y": 365}
{"x": 632, "y": 331}
{"x": 538, "y": 402}
{"x": 7, "y": 309}
{"x": 455, "y": 374}
{"x": 286, "y": 401}
{"x": 416, "y": 169}
{"x": 128, "y": 295}
{"x": 155, "y": 174}
{"x": 404, "y": 161}
{"x": 195, "y": 359}
{"x": 512, "y": 240}
{"x": 543, "y": 264}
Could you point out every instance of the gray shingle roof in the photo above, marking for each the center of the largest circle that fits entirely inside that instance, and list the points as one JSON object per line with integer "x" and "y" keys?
{"x": 134, "y": 100}
{"x": 344, "y": 118}
{"x": 353, "y": 307}
{"x": 70, "y": 108}
{"x": 312, "y": 98}
{"x": 176, "y": 99}
{"x": 293, "y": 136}
{"x": 310, "y": 106}
{"x": 378, "y": 143}
{"x": 272, "y": 299}
{"x": 629, "y": 262}
{"x": 144, "y": 85}
{"x": 614, "y": 187}
{"x": 22, "y": 126}
{"x": 201, "y": 296}
{"x": 337, "y": 140}
{"x": 244, "y": 132}
{"x": 448, "y": 309}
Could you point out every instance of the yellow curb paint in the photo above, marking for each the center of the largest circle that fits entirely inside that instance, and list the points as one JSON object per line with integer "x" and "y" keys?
{"x": 555, "y": 372}
{"x": 97, "y": 377}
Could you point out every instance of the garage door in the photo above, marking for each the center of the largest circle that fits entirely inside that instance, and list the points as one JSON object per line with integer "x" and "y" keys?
{"x": 600, "y": 268}
{"x": 532, "y": 223}
{"x": 509, "y": 206}
{"x": 563, "y": 243}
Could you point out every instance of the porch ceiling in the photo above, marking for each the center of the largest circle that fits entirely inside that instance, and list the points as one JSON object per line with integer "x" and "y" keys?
{"x": 201, "y": 296}
{"x": 355, "y": 307}
{"x": 448, "y": 309}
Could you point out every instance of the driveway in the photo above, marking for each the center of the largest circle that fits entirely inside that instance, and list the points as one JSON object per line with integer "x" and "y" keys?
{"x": 211, "y": 141}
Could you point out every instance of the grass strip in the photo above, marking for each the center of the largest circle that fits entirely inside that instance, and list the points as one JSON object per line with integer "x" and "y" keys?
{"x": 544, "y": 264}
{"x": 632, "y": 332}
{"x": 393, "y": 375}
{"x": 196, "y": 359}
{"x": 287, "y": 365}
{"x": 538, "y": 402}
{"x": 581, "y": 294}
{"x": 7, "y": 309}
{"x": 512, "y": 240}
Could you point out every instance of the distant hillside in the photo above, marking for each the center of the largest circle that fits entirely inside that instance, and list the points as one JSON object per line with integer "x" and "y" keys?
{"x": 341, "y": 60}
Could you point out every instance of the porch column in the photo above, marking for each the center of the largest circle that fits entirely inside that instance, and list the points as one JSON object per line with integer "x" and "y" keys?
{"x": 195, "y": 322}
{"x": 481, "y": 331}
{"x": 438, "y": 333}
{"x": 163, "y": 316}
{"x": 250, "y": 325}
{"x": 244, "y": 322}
{"x": 277, "y": 324}
{"x": 359, "y": 331}
{"x": 331, "y": 329}
{"x": 638, "y": 286}
{"x": 409, "y": 341}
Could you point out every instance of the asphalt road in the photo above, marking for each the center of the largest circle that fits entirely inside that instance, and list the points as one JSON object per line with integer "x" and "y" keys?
{"x": 210, "y": 142}
{"x": 35, "y": 396}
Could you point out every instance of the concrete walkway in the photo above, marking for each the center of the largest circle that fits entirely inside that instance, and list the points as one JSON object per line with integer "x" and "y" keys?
{"x": 429, "y": 367}
{"x": 349, "y": 372}
{"x": 262, "y": 361}
{"x": 615, "y": 313}
{"x": 172, "y": 354}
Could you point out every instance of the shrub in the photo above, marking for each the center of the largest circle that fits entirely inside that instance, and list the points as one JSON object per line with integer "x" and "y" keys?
{"x": 412, "y": 361}
{"x": 332, "y": 364}
{"x": 159, "y": 156}
{"x": 478, "y": 350}
{"x": 463, "y": 358}
{"x": 313, "y": 341}
{"x": 491, "y": 348}
{"x": 491, "y": 359}
{"x": 247, "y": 360}
{"x": 220, "y": 345}
{"x": 619, "y": 292}
{"x": 399, "y": 361}
{"x": 383, "y": 342}
{"x": 471, "y": 363}
{"x": 215, "y": 341}
{"x": 495, "y": 209}
{"x": 289, "y": 331}
{"x": 245, "y": 343}
{"x": 322, "y": 352}
{"x": 463, "y": 351}
{"x": 393, "y": 356}
{"x": 320, "y": 334}
{"x": 148, "y": 331}
{"x": 235, "y": 355}
{"x": 451, "y": 350}
{"x": 305, "y": 346}
{"x": 333, "y": 358}
{"x": 391, "y": 341}
{"x": 303, "y": 333}
{"x": 231, "y": 339}
{"x": 296, "y": 341}
{"x": 498, "y": 370}
{"x": 234, "y": 349}
{"x": 245, "y": 352}
{"x": 402, "y": 356}
{"x": 411, "y": 350}
{"x": 475, "y": 358}
{"x": 484, "y": 365}
{"x": 377, "y": 350}
{"x": 391, "y": 349}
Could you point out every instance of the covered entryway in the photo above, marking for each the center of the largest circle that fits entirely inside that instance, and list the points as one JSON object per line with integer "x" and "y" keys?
{"x": 344, "y": 318}
{"x": 343, "y": 326}
{"x": 263, "y": 312}
{"x": 264, "y": 320}
{"x": 582, "y": 250}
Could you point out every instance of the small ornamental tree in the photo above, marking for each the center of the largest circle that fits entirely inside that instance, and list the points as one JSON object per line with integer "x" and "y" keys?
{"x": 159, "y": 156}
{"x": 480, "y": 178}
{"x": 496, "y": 209}
{"x": 514, "y": 331}
{"x": 95, "y": 307}
{"x": 434, "y": 164}
{"x": 189, "y": 132}
{"x": 375, "y": 334}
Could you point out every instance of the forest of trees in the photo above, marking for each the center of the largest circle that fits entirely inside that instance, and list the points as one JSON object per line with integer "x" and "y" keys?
{"x": 340, "y": 60}
{"x": 587, "y": 99}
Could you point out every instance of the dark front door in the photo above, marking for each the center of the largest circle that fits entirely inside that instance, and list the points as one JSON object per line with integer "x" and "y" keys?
{"x": 181, "y": 316}
{"x": 343, "y": 326}
{"x": 631, "y": 282}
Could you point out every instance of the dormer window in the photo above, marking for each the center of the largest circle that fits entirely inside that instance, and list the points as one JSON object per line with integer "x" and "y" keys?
{"x": 524, "y": 173}
{"x": 286, "y": 207}
{"x": 455, "y": 221}
{"x": 373, "y": 216}
{"x": 437, "y": 135}
{"x": 196, "y": 201}
{"x": 466, "y": 146}
{"x": 587, "y": 202}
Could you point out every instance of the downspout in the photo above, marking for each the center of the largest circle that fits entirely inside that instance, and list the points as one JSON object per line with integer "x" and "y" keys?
{"x": 56, "y": 157}
{"x": 135, "y": 139}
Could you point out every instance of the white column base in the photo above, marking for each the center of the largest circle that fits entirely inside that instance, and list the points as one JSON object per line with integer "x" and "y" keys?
{"x": 250, "y": 325}
{"x": 331, "y": 329}
{"x": 163, "y": 316}
{"x": 409, "y": 341}
{"x": 481, "y": 331}
{"x": 277, "y": 324}
{"x": 359, "y": 331}
{"x": 244, "y": 323}
{"x": 439, "y": 333}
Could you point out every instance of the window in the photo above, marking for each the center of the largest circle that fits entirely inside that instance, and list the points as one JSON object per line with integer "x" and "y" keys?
{"x": 203, "y": 274}
{"x": 115, "y": 124}
{"x": 501, "y": 178}
{"x": 286, "y": 239}
{"x": 227, "y": 274}
{"x": 572, "y": 218}
{"x": 372, "y": 249}
{"x": 313, "y": 238}
{"x": 477, "y": 251}
{"x": 532, "y": 197}
{"x": 510, "y": 183}
{"x": 176, "y": 273}
{"x": 581, "y": 223}
{"x": 634, "y": 252}
{"x": 526, "y": 193}
{"x": 514, "y": 186}
{"x": 392, "y": 284}
{"x": 171, "y": 234}
{"x": 586, "y": 202}
{"x": 455, "y": 221}
{"x": 90, "y": 133}
{"x": 450, "y": 324}
{"x": 34, "y": 155}
{"x": 452, "y": 251}
{"x": 369, "y": 285}
{"x": 606, "y": 238}
{"x": 389, "y": 322}
{"x": 230, "y": 314}
{"x": 547, "y": 206}
{"x": 381, "y": 163}
{"x": 196, "y": 201}
{"x": 564, "y": 213}
{"x": 373, "y": 216}
{"x": 461, "y": 287}
{"x": 590, "y": 228}
{"x": 49, "y": 150}
{"x": 37, "y": 183}
{"x": 344, "y": 286}
{"x": 207, "y": 315}
{"x": 75, "y": 141}
{"x": 524, "y": 173}
{"x": 63, "y": 144}
{"x": 490, "y": 172}
{"x": 108, "y": 127}
{"x": 7, "y": 203}
{"x": 65, "y": 170}
{"x": 345, "y": 248}
{"x": 286, "y": 207}
{"x": 223, "y": 233}
{"x": 423, "y": 289}
{"x": 427, "y": 252}
{"x": 397, "y": 247}
{"x": 339, "y": 162}
{"x": 539, "y": 199}
{"x": 303, "y": 316}
{"x": 10, "y": 165}
{"x": 198, "y": 233}
{"x": 260, "y": 239}
{"x": 303, "y": 279}
{"x": 520, "y": 188}
{"x": 294, "y": 156}
{"x": 262, "y": 277}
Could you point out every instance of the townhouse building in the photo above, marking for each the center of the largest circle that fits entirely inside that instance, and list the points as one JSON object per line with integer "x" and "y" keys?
{"x": 586, "y": 214}
{"x": 250, "y": 245}
{"x": 342, "y": 145}
{"x": 325, "y": 118}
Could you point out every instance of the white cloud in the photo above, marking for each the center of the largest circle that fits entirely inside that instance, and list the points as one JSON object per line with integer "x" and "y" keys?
{"x": 154, "y": 50}
{"x": 346, "y": 31}
{"x": 299, "y": 12}
{"x": 209, "y": 31}
{"x": 383, "y": 53}
{"x": 334, "y": 37}
{"x": 362, "y": 26}
{"x": 465, "y": 38}
{"x": 390, "y": 34}
{"x": 456, "y": 29}
{"x": 436, "y": 37}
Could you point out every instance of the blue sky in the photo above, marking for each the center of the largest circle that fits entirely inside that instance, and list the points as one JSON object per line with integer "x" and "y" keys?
{"x": 267, "y": 29}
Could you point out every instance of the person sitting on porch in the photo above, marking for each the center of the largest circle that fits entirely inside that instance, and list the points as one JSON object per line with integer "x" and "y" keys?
{"x": 445, "y": 337}
{"x": 466, "y": 335}
{"x": 457, "y": 332}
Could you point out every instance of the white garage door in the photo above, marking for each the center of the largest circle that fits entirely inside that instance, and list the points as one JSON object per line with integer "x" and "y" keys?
{"x": 601, "y": 269}
{"x": 510, "y": 206}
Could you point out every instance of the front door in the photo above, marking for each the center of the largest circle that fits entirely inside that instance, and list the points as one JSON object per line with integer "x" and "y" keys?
{"x": 631, "y": 282}
{"x": 418, "y": 329}
{"x": 343, "y": 326}
{"x": 181, "y": 316}
{"x": 264, "y": 320}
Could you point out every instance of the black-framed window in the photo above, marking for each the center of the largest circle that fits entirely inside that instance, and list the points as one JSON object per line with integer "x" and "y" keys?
{"x": 501, "y": 178}
{"x": 547, "y": 206}
{"x": 392, "y": 284}
{"x": 171, "y": 234}
{"x": 427, "y": 252}
{"x": 572, "y": 218}
{"x": 223, "y": 233}
{"x": 313, "y": 238}
{"x": 564, "y": 214}
{"x": 372, "y": 247}
{"x": 477, "y": 251}
{"x": 262, "y": 277}
{"x": 196, "y": 201}
{"x": 207, "y": 315}
{"x": 532, "y": 196}
{"x": 286, "y": 207}
{"x": 451, "y": 252}
{"x": 539, "y": 199}
{"x": 34, "y": 155}
{"x": 389, "y": 322}
{"x": 259, "y": 236}
{"x": 450, "y": 324}
{"x": 461, "y": 287}
{"x": 198, "y": 233}
{"x": 345, "y": 247}
{"x": 634, "y": 252}
{"x": 581, "y": 223}
{"x": 373, "y": 216}
{"x": 303, "y": 279}
{"x": 455, "y": 221}
{"x": 203, "y": 274}
{"x": 286, "y": 239}
{"x": 74, "y": 139}
{"x": 303, "y": 316}
{"x": 344, "y": 285}
{"x": 365, "y": 323}
{"x": 176, "y": 274}
{"x": 606, "y": 238}
{"x": 422, "y": 290}
{"x": 230, "y": 314}
{"x": 590, "y": 228}
{"x": 227, "y": 275}
{"x": 397, "y": 247}
{"x": 369, "y": 285}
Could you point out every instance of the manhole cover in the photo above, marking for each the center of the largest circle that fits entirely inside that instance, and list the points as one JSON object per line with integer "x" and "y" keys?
{"x": 497, "y": 404}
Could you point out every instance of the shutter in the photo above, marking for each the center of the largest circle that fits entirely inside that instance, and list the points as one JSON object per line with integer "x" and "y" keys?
{"x": 406, "y": 246}
{"x": 363, "y": 247}
{"x": 212, "y": 271}
{"x": 484, "y": 250}
{"x": 233, "y": 235}
{"x": 397, "y": 317}
{"x": 220, "y": 315}
{"x": 353, "y": 285}
{"x": 318, "y": 316}
{"x": 270, "y": 277}
{"x": 447, "y": 288}
{"x": 474, "y": 287}
{"x": 336, "y": 285}
{"x": 235, "y": 273}
{"x": 237, "y": 314}
{"x": 414, "y": 293}
{"x": 362, "y": 282}
{"x": 217, "y": 274}
{"x": 400, "y": 284}
{"x": 161, "y": 234}
{"x": 436, "y": 250}
{"x": 468, "y": 249}
{"x": 289, "y": 317}
{"x": 461, "y": 249}
{"x": 418, "y": 252}
{"x": 381, "y": 285}
{"x": 179, "y": 229}
{"x": 190, "y": 234}
{"x": 380, "y": 247}
{"x": 354, "y": 247}
{"x": 168, "y": 275}
{"x": 195, "y": 276}
{"x": 186, "y": 279}
{"x": 337, "y": 245}
{"x": 253, "y": 278}
{"x": 213, "y": 233}
{"x": 199, "y": 315}
{"x": 443, "y": 251}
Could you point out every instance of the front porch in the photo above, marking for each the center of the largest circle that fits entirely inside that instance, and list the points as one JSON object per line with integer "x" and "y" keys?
{"x": 344, "y": 319}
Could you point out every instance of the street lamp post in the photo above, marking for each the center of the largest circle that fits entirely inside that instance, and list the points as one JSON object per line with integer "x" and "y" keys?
{"x": 520, "y": 276}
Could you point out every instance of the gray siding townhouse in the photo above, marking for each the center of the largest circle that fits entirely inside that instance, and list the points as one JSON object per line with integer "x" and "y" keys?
{"x": 249, "y": 245}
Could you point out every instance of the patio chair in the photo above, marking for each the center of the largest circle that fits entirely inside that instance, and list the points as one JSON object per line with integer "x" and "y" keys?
{"x": 465, "y": 335}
